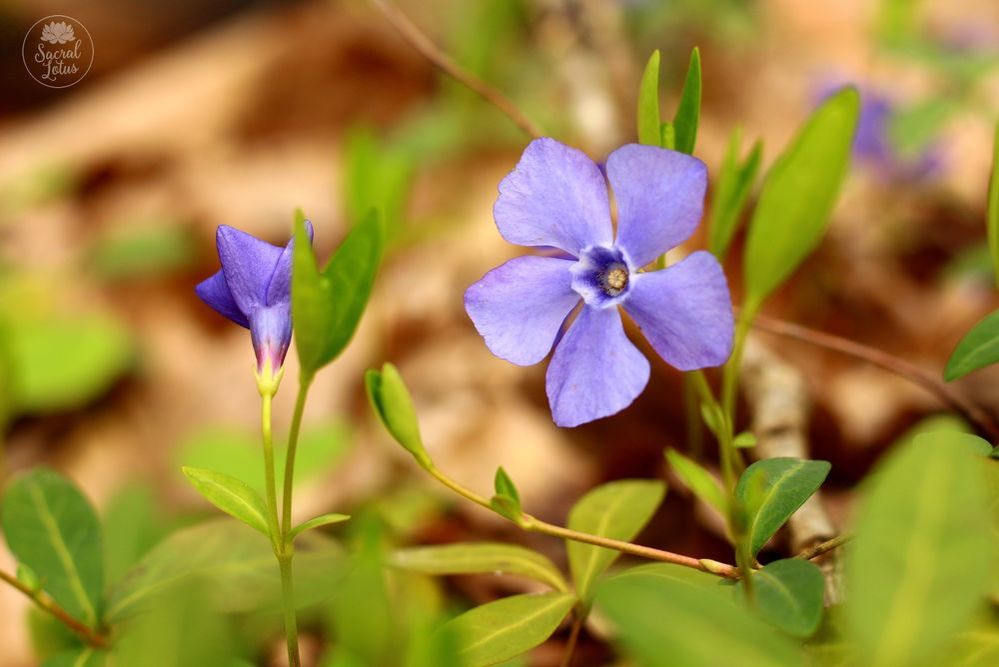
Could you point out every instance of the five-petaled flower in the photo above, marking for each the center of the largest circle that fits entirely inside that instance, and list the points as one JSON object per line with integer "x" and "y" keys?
{"x": 253, "y": 289}
{"x": 557, "y": 196}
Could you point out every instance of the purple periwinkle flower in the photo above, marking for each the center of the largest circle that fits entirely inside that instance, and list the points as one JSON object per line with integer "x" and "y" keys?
{"x": 557, "y": 196}
{"x": 253, "y": 289}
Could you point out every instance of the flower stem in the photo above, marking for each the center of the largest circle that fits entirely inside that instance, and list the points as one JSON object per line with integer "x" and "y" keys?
{"x": 578, "y": 618}
{"x": 288, "y": 597}
{"x": 289, "y": 466}
{"x": 90, "y": 636}
{"x": 267, "y": 399}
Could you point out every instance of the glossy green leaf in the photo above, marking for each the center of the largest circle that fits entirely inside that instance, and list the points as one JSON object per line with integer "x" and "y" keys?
{"x": 916, "y": 570}
{"x": 688, "y": 111}
{"x": 230, "y": 495}
{"x": 392, "y": 403}
{"x": 702, "y": 483}
{"x": 798, "y": 196}
{"x": 668, "y": 615}
{"x": 979, "y": 348}
{"x": 481, "y": 557}
{"x": 618, "y": 510}
{"x": 327, "y": 305}
{"x": 500, "y": 630}
{"x": 992, "y": 223}
{"x": 317, "y": 522}
{"x": 52, "y": 528}
{"x": 648, "y": 103}
{"x": 772, "y": 490}
{"x": 734, "y": 184}
{"x": 788, "y": 594}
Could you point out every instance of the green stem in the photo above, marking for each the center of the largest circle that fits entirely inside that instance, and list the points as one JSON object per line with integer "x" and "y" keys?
{"x": 267, "y": 399}
{"x": 288, "y": 596}
{"x": 289, "y": 466}
{"x": 90, "y": 636}
{"x": 578, "y": 618}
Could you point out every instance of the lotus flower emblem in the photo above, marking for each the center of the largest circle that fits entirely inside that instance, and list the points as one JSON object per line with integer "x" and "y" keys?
{"x": 58, "y": 32}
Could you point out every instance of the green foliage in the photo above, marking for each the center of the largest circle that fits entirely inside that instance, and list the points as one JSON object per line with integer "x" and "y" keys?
{"x": 681, "y": 134}
{"x": 506, "y": 500}
{"x": 141, "y": 249}
{"x": 480, "y": 558}
{"x": 377, "y": 177}
{"x": 50, "y": 527}
{"x": 132, "y": 526}
{"x": 771, "y": 490}
{"x": 732, "y": 188}
{"x": 317, "y": 522}
{"x": 917, "y": 569}
{"x": 702, "y": 483}
{"x": 648, "y": 103}
{"x": 668, "y": 615}
{"x": 327, "y": 305}
{"x": 788, "y": 594}
{"x": 230, "y": 495}
{"x": 798, "y": 196}
{"x": 391, "y": 401}
{"x": 80, "y": 657}
{"x": 618, "y": 510}
{"x": 688, "y": 110}
{"x": 979, "y": 348}
{"x": 992, "y": 220}
{"x": 505, "y": 628}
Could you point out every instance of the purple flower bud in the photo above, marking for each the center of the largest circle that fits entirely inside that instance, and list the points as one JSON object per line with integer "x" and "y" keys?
{"x": 253, "y": 289}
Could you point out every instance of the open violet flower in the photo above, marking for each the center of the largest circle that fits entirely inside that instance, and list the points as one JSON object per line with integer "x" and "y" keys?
{"x": 557, "y": 196}
{"x": 253, "y": 289}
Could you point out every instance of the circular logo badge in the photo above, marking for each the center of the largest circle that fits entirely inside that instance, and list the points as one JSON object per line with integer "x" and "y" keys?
{"x": 57, "y": 51}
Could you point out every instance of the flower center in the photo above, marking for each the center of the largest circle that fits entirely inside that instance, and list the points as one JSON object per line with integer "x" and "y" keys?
{"x": 615, "y": 280}
{"x": 602, "y": 276}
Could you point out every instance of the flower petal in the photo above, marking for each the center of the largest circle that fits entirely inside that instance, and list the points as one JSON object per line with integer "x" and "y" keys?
{"x": 595, "y": 371}
{"x": 248, "y": 264}
{"x": 518, "y": 307}
{"x": 556, "y": 196}
{"x": 685, "y": 311}
{"x": 279, "y": 287}
{"x": 215, "y": 292}
{"x": 660, "y": 199}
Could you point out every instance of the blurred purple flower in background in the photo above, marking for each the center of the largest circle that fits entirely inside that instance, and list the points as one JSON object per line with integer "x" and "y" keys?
{"x": 557, "y": 196}
{"x": 253, "y": 289}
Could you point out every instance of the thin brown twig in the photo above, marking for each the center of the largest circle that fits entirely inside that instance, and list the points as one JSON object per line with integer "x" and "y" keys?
{"x": 415, "y": 37}
{"x": 824, "y": 547}
{"x": 85, "y": 632}
{"x": 889, "y": 362}
{"x": 578, "y": 617}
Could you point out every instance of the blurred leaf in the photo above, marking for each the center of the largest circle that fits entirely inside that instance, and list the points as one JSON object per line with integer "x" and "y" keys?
{"x": 798, "y": 196}
{"x": 911, "y": 130}
{"x": 648, "y": 103}
{"x": 689, "y": 109}
{"x": 327, "y": 305}
{"x": 53, "y": 529}
{"x": 481, "y": 557}
{"x": 390, "y": 399}
{"x": 772, "y": 490}
{"x": 63, "y": 362}
{"x": 667, "y": 136}
{"x": 993, "y": 208}
{"x": 147, "y": 249}
{"x": 788, "y": 594}
{"x": 230, "y": 495}
{"x": 668, "y": 615}
{"x": 979, "y": 348}
{"x": 317, "y": 522}
{"x": 132, "y": 526}
{"x": 916, "y": 571}
{"x": 618, "y": 510}
{"x": 377, "y": 177}
{"x": 977, "y": 647}
{"x": 744, "y": 440}
{"x": 507, "y": 627}
{"x": 49, "y": 637}
{"x": 969, "y": 441}
{"x": 735, "y": 182}
{"x": 702, "y": 483}
{"x": 81, "y": 657}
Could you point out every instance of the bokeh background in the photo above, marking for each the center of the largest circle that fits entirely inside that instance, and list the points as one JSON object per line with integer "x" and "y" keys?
{"x": 205, "y": 112}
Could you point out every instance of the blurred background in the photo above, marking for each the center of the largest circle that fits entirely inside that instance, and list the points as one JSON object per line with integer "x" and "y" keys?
{"x": 204, "y": 112}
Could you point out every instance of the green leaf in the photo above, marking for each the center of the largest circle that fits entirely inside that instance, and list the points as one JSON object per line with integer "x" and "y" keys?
{"x": 798, "y": 196}
{"x": 51, "y": 528}
{"x": 689, "y": 109}
{"x": 506, "y": 501}
{"x": 744, "y": 440}
{"x": 648, "y": 103}
{"x": 391, "y": 401}
{"x": 970, "y": 441}
{"x": 327, "y": 305}
{"x": 668, "y": 615}
{"x": 978, "y": 647}
{"x": 317, "y": 522}
{"x": 667, "y": 136}
{"x": 81, "y": 657}
{"x": 230, "y": 495}
{"x": 376, "y": 176}
{"x": 618, "y": 510}
{"x": 702, "y": 483}
{"x": 143, "y": 248}
{"x": 483, "y": 557}
{"x": 979, "y": 348}
{"x": 916, "y": 570}
{"x": 772, "y": 490}
{"x": 734, "y": 184}
{"x": 503, "y": 629}
{"x": 788, "y": 594}
{"x": 992, "y": 223}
